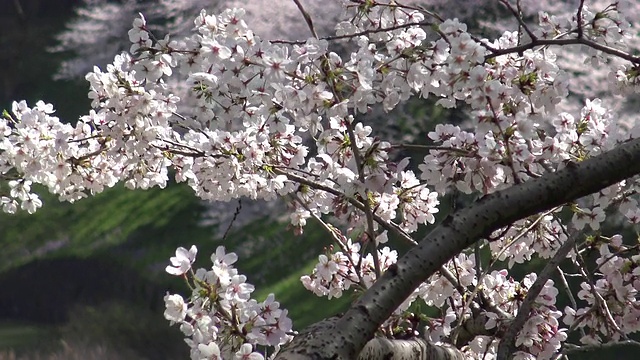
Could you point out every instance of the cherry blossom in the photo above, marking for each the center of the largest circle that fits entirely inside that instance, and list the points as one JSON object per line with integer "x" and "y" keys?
{"x": 220, "y": 319}
{"x": 181, "y": 263}
{"x": 288, "y": 119}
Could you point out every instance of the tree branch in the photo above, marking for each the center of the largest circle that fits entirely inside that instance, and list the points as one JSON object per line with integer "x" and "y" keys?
{"x": 575, "y": 349}
{"x": 507, "y": 343}
{"x": 307, "y": 18}
{"x": 357, "y": 326}
{"x": 413, "y": 349}
{"x": 387, "y": 225}
{"x": 377, "y": 348}
{"x": 562, "y": 42}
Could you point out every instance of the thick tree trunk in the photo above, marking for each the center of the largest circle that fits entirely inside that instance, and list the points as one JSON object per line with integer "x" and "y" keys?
{"x": 412, "y": 349}
{"x": 345, "y": 337}
{"x": 376, "y": 349}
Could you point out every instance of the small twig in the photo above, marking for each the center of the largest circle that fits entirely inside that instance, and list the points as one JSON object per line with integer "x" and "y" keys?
{"x": 562, "y": 42}
{"x": 190, "y": 148}
{"x": 387, "y": 225}
{"x": 520, "y": 27}
{"x": 507, "y": 343}
{"x": 579, "y": 19}
{"x": 178, "y": 152}
{"x": 522, "y": 233}
{"x": 459, "y": 152}
{"x": 572, "y": 298}
{"x": 480, "y": 276}
{"x": 632, "y": 249}
{"x": 518, "y": 15}
{"x": 307, "y": 18}
{"x": 600, "y": 301}
{"x": 97, "y": 136}
{"x": 355, "y": 35}
{"x": 357, "y": 156}
{"x": 235, "y": 216}
{"x": 452, "y": 279}
{"x": 333, "y": 232}
{"x": 516, "y": 178}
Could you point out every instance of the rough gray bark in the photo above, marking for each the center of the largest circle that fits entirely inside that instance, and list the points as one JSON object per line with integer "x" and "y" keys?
{"x": 376, "y": 348}
{"x": 347, "y": 336}
{"x": 413, "y": 349}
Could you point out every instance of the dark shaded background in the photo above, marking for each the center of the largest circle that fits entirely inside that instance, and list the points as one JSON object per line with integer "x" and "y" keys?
{"x": 27, "y": 29}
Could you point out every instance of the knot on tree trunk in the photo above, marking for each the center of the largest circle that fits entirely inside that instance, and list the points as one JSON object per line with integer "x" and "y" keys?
{"x": 322, "y": 341}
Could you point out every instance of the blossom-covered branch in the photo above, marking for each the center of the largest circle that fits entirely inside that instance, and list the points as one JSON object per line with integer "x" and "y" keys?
{"x": 264, "y": 120}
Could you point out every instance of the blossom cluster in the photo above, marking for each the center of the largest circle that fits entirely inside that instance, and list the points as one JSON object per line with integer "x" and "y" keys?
{"x": 100, "y": 27}
{"x": 611, "y": 309}
{"x": 541, "y": 337}
{"x": 38, "y": 148}
{"x": 607, "y": 22}
{"x": 220, "y": 319}
{"x": 342, "y": 270}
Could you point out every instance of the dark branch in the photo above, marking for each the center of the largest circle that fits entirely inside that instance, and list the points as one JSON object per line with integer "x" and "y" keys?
{"x": 563, "y": 42}
{"x": 507, "y": 343}
{"x": 575, "y": 349}
{"x": 458, "y": 231}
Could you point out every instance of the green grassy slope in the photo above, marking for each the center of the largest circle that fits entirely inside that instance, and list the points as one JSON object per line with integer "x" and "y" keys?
{"x": 135, "y": 232}
{"x": 84, "y": 227}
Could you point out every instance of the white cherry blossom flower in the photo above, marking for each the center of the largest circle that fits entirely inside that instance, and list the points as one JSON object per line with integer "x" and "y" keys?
{"x": 181, "y": 263}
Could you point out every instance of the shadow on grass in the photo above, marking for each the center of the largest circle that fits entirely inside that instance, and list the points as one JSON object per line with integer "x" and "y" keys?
{"x": 113, "y": 330}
